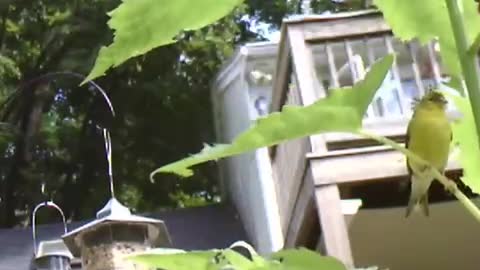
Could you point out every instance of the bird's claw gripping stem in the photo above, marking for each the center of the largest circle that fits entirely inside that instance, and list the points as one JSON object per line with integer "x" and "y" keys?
{"x": 450, "y": 186}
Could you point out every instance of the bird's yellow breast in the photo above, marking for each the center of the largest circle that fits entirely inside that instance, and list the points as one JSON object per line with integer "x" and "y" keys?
{"x": 429, "y": 136}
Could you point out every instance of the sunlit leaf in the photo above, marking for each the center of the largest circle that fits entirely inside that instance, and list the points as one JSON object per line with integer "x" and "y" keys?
{"x": 344, "y": 109}
{"x": 295, "y": 259}
{"x": 208, "y": 260}
{"x": 465, "y": 136}
{"x": 303, "y": 259}
{"x": 174, "y": 260}
{"x": 429, "y": 19}
{"x": 8, "y": 68}
{"x": 142, "y": 25}
{"x": 249, "y": 261}
{"x": 232, "y": 259}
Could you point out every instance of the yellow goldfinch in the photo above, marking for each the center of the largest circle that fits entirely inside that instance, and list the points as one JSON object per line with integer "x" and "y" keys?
{"x": 428, "y": 135}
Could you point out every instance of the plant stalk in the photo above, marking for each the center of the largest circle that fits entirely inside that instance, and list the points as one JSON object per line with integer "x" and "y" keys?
{"x": 467, "y": 60}
{"x": 447, "y": 183}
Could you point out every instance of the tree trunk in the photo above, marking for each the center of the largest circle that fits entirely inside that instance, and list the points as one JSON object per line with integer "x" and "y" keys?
{"x": 31, "y": 111}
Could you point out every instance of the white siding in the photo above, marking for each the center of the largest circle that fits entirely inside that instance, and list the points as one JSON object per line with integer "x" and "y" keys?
{"x": 247, "y": 177}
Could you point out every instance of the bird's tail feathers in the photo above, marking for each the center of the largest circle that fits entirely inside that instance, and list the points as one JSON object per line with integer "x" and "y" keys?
{"x": 418, "y": 196}
{"x": 414, "y": 204}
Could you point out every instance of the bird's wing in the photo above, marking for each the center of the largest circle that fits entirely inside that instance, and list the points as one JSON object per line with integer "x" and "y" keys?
{"x": 407, "y": 140}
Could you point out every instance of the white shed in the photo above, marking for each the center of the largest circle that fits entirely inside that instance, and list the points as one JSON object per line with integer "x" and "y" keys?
{"x": 242, "y": 93}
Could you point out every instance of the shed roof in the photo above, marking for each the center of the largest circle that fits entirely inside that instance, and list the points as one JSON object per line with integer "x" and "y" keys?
{"x": 199, "y": 228}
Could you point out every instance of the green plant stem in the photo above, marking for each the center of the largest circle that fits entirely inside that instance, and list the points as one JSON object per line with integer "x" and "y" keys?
{"x": 467, "y": 60}
{"x": 447, "y": 183}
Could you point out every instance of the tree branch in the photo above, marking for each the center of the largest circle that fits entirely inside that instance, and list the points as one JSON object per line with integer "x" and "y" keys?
{"x": 3, "y": 27}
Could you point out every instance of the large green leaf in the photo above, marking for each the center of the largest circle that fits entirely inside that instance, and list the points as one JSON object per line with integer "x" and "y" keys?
{"x": 294, "y": 259}
{"x": 141, "y": 25}
{"x": 208, "y": 260}
{"x": 428, "y": 19}
{"x": 343, "y": 110}
{"x": 300, "y": 259}
{"x": 177, "y": 260}
{"x": 466, "y": 138}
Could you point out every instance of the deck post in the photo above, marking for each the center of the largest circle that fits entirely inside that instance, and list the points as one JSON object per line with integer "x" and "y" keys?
{"x": 334, "y": 238}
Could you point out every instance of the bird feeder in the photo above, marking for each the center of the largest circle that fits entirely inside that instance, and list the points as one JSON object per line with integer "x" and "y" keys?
{"x": 50, "y": 255}
{"x": 103, "y": 243}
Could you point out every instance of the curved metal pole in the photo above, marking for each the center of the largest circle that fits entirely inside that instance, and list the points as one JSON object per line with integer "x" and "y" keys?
{"x": 34, "y": 213}
{"x": 108, "y": 150}
{"x": 48, "y": 77}
{"x": 52, "y": 75}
